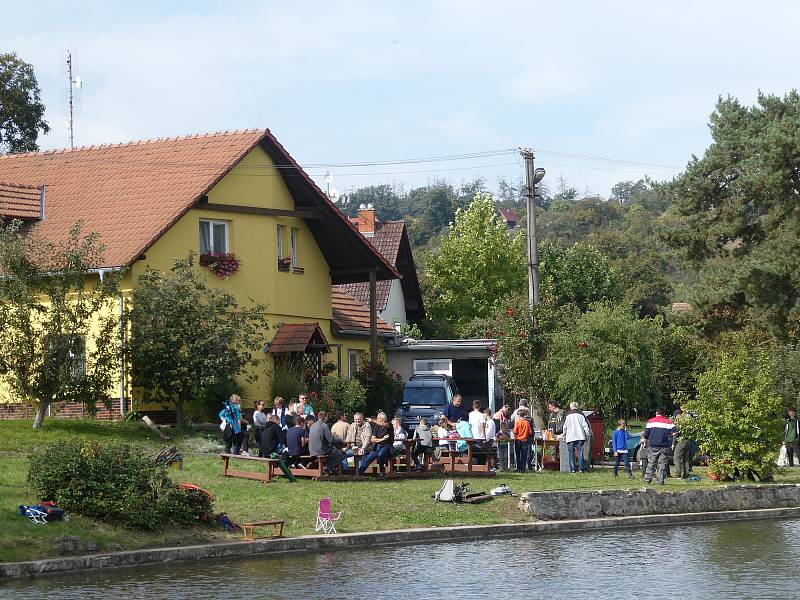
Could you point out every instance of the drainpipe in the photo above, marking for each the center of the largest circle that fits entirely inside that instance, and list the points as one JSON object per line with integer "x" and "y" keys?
{"x": 122, "y": 407}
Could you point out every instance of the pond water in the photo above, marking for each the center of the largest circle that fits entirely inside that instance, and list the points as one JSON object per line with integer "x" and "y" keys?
{"x": 748, "y": 559}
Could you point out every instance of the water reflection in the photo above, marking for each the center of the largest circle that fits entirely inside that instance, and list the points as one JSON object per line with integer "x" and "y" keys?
{"x": 726, "y": 560}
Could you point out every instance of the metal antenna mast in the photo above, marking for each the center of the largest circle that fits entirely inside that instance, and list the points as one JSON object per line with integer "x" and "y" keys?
{"x": 71, "y": 105}
{"x": 75, "y": 83}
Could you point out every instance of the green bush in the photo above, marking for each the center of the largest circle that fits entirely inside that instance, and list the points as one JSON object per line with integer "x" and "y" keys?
{"x": 288, "y": 379}
{"x": 738, "y": 414}
{"x": 115, "y": 484}
{"x": 383, "y": 388}
{"x": 346, "y": 395}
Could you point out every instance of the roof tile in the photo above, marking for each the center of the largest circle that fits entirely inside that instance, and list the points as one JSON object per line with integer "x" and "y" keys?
{"x": 351, "y": 315}
{"x": 129, "y": 193}
{"x": 386, "y": 241}
{"x": 19, "y": 201}
{"x": 296, "y": 337}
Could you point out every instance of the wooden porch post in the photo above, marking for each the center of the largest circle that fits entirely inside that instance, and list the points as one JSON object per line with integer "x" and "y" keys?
{"x": 373, "y": 316}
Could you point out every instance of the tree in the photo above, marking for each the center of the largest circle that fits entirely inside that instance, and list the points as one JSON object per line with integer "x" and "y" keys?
{"x": 740, "y": 226}
{"x": 431, "y": 209}
{"x": 186, "y": 335}
{"x": 386, "y": 199}
{"x": 21, "y": 109}
{"x": 579, "y": 274}
{"x": 737, "y": 414}
{"x": 608, "y": 360}
{"x": 58, "y": 330}
{"x": 522, "y": 335}
{"x": 478, "y": 264}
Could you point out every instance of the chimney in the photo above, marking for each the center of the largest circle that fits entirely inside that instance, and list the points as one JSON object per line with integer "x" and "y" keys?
{"x": 366, "y": 220}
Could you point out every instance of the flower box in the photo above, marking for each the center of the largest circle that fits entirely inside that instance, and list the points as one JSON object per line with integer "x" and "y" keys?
{"x": 221, "y": 265}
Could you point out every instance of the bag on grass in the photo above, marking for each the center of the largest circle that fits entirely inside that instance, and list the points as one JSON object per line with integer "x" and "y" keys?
{"x": 446, "y": 493}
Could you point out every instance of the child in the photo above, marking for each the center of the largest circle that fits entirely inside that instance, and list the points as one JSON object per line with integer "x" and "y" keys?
{"x": 619, "y": 446}
{"x": 424, "y": 443}
{"x": 522, "y": 434}
{"x": 443, "y": 432}
{"x": 400, "y": 434}
{"x": 504, "y": 445}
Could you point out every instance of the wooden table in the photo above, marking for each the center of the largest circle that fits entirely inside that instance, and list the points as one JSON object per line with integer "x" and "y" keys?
{"x": 247, "y": 528}
{"x": 454, "y": 464}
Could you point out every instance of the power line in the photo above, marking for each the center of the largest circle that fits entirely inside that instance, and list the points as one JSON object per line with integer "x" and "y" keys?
{"x": 616, "y": 160}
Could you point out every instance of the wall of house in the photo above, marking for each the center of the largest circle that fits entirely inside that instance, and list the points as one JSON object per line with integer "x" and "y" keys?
{"x": 290, "y": 297}
{"x": 395, "y": 311}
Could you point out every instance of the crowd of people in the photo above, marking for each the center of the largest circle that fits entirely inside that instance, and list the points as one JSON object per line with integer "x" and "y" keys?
{"x": 292, "y": 431}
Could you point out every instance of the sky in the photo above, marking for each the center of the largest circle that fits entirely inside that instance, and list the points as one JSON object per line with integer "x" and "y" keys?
{"x": 602, "y": 91}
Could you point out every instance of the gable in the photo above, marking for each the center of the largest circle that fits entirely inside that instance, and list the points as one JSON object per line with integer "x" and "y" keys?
{"x": 131, "y": 194}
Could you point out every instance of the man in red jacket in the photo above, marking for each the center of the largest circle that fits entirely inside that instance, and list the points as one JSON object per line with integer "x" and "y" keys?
{"x": 658, "y": 432}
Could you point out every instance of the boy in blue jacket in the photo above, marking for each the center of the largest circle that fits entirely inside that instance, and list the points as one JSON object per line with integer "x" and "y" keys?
{"x": 619, "y": 446}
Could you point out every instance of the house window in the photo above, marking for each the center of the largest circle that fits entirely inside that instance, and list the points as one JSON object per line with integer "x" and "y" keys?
{"x": 280, "y": 242}
{"x": 353, "y": 363}
{"x": 71, "y": 351}
{"x": 294, "y": 248}
{"x": 77, "y": 356}
{"x": 213, "y": 237}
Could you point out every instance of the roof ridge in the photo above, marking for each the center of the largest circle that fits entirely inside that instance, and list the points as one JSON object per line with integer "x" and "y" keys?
{"x": 189, "y": 136}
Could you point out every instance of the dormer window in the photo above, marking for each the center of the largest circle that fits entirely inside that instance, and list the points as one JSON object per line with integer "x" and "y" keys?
{"x": 213, "y": 237}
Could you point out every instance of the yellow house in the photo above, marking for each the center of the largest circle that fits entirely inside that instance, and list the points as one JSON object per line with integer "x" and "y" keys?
{"x": 233, "y": 192}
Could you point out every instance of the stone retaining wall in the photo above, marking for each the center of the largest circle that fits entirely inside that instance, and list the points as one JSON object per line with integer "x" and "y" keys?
{"x": 620, "y": 503}
{"x": 324, "y": 543}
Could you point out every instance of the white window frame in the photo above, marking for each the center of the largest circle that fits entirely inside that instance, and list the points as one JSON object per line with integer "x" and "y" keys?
{"x": 279, "y": 246}
{"x": 293, "y": 240}
{"x": 211, "y": 224}
{"x": 438, "y": 366}
{"x": 353, "y": 363}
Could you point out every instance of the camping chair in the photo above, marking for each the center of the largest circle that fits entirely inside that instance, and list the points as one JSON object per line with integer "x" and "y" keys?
{"x": 326, "y": 520}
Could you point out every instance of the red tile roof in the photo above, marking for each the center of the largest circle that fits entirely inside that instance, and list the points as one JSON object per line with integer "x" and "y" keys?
{"x": 508, "y": 214}
{"x": 131, "y": 194}
{"x": 19, "y": 201}
{"x": 386, "y": 241}
{"x": 351, "y": 316}
{"x": 297, "y": 337}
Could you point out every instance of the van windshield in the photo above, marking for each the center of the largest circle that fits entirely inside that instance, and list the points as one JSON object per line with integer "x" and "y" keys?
{"x": 428, "y": 396}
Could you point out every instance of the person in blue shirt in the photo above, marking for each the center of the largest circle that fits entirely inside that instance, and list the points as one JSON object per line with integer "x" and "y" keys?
{"x": 619, "y": 446}
{"x": 231, "y": 414}
{"x": 453, "y": 411}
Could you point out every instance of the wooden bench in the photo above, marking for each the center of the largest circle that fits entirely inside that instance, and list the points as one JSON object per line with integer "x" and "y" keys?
{"x": 265, "y": 476}
{"x": 248, "y": 528}
{"x": 315, "y": 468}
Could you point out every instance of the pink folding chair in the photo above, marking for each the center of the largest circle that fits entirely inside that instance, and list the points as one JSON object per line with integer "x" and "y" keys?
{"x": 326, "y": 520}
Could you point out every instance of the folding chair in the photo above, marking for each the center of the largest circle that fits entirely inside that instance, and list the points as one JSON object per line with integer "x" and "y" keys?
{"x": 326, "y": 520}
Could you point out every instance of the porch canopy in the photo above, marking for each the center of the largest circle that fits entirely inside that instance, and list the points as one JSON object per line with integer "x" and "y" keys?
{"x": 299, "y": 337}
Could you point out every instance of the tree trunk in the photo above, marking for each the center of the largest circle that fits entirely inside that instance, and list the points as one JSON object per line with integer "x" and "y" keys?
{"x": 40, "y": 412}
{"x": 179, "y": 414}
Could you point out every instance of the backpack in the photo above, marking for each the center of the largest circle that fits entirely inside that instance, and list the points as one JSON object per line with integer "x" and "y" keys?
{"x": 446, "y": 493}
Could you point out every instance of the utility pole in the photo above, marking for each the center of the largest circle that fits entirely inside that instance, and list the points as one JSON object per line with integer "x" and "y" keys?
{"x": 71, "y": 108}
{"x": 532, "y": 177}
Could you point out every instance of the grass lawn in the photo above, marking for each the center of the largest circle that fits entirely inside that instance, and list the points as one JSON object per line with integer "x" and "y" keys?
{"x": 367, "y": 505}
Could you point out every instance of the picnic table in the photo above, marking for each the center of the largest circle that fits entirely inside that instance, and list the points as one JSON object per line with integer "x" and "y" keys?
{"x": 455, "y": 463}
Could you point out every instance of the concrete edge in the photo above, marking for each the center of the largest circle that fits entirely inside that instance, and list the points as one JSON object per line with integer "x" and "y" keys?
{"x": 314, "y": 543}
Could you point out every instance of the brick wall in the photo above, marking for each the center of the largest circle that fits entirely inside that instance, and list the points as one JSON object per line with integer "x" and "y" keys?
{"x": 64, "y": 410}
